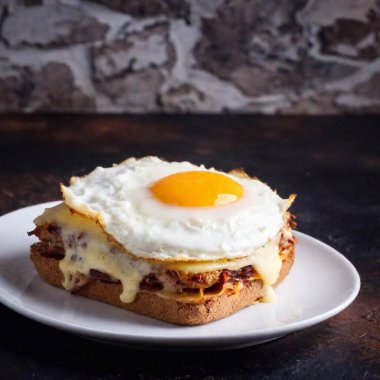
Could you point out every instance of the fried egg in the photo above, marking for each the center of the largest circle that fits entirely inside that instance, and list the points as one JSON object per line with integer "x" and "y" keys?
{"x": 178, "y": 211}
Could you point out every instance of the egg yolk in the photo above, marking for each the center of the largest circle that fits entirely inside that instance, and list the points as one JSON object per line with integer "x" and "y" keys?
{"x": 197, "y": 189}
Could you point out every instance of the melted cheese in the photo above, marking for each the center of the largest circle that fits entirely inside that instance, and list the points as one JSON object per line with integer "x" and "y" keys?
{"x": 269, "y": 294}
{"x": 63, "y": 217}
{"x": 94, "y": 255}
{"x": 94, "y": 250}
{"x": 265, "y": 260}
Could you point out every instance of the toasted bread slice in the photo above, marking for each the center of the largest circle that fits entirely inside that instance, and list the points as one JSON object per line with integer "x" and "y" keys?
{"x": 165, "y": 309}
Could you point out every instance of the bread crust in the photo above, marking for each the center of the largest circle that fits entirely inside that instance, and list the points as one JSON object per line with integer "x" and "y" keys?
{"x": 165, "y": 309}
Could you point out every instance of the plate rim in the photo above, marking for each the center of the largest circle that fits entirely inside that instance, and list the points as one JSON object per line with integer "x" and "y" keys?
{"x": 252, "y": 336}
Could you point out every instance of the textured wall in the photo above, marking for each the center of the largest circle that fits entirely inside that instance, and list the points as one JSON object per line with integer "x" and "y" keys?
{"x": 300, "y": 56}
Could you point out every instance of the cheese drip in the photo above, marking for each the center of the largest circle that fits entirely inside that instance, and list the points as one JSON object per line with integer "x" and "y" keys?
{"x": 89, "y": 254}
{"x": 87, "y": 247}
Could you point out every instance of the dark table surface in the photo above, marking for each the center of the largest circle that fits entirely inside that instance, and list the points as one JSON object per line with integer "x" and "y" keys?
{"x": 332, "y": 163}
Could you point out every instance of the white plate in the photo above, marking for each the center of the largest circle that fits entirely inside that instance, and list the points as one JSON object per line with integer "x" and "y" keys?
{"x": 321, "y": 284}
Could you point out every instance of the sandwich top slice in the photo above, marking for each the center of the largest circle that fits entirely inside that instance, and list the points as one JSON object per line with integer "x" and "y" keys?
{"x": 173, "y": 241}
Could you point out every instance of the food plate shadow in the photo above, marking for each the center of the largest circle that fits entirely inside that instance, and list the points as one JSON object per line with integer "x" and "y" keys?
{"x": 170, "y": 348}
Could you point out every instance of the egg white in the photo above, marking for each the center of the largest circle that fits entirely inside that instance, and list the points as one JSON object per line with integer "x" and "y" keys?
{"x": 120, "y": 199}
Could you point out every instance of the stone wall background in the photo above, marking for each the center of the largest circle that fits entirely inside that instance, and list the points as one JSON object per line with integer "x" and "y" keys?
{"x": 266, "y": 56}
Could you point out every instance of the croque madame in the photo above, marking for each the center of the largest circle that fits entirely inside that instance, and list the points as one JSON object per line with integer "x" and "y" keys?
{"x": 169, "y": 240}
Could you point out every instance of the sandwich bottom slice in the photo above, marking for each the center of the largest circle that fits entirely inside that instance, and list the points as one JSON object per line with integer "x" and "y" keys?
{"x": 76, "y": 254}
